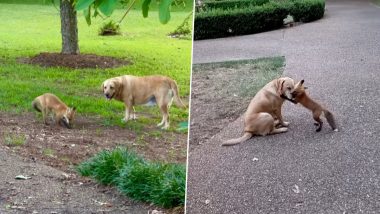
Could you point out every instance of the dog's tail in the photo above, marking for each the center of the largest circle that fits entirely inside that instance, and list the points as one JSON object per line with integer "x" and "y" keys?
{"x": 35, "y": 105}
{"x": 246, "y": 136}
{"x": 177, "y": 99}
{"x": 330, "y": 119}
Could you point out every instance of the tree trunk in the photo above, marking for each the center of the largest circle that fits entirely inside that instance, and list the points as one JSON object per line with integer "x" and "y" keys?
{"x": 69, "y": 28}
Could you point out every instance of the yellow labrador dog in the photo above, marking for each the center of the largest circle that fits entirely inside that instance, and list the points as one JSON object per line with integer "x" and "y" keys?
{"x": 264, "y": 112}
{"x": 133, "y": 90}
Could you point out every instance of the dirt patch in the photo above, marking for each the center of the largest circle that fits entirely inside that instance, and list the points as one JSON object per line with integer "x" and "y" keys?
{"x": 74, "y": 61}
{"x": 221, "y": 92}
{"x": 64, "y": 148}
{"x": 41, "y": 146}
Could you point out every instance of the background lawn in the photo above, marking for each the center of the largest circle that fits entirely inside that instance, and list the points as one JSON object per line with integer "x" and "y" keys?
{"x": 29, "y": 29}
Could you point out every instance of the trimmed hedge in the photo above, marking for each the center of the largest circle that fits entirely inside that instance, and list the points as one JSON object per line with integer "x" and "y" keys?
{"x": 307, "y": 10}
{"x": 222, "y": 23}
{"x": 218, "y": 23}
{"x": 230, "y": 4}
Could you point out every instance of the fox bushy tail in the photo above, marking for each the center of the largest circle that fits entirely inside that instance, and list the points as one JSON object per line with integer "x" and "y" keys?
{"x": 330, "y": 119}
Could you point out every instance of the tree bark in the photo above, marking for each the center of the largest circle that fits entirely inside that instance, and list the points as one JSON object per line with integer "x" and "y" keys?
{"x": 69, "y": 28}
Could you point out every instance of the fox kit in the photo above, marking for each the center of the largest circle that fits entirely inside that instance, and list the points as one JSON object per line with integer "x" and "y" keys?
{"x": 299, "y": 96}
{"x": 51, "y": 104}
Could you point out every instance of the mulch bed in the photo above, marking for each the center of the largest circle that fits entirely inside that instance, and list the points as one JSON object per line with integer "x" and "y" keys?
{"x": 74, "y": 61}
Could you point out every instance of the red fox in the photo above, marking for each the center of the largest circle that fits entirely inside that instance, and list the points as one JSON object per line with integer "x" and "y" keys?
{"x": 300, "y": 96}
{"x": 51, "y": 104}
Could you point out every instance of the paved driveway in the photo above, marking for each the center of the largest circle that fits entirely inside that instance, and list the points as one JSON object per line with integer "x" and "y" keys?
{"x": 302, "y": 171}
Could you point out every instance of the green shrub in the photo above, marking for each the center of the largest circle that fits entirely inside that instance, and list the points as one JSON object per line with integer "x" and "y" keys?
{"x": 161, "y": 184}
{"x": 158, "y": 183}
{"x": 307, "y": 10}
{"x": 184, "y": 30}
{"x": 222, "y": 23}
{"x": 230, "y": 4}
{"x": 109, "y": 28}
{"x": 105, "y": 166}
{"x": 215, "y": 23}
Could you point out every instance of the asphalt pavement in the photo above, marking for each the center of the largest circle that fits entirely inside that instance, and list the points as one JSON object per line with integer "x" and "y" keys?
{"x": 301, "y": 171}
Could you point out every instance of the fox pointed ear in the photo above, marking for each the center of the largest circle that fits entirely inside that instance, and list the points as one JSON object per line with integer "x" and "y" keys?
{"x": 74, "y": 108}
{"x": 302, "y": 81}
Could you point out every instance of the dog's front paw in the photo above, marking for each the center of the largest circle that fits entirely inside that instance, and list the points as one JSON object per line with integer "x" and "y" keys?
{"x": 285, "y": 124}
{"x": 165, "y": 127}
{"x": 134, "y": 117}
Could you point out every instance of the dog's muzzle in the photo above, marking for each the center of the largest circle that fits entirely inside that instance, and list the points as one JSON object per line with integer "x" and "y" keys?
{"x": 286, "y": 98}
{"x": 287, "y": 94}
{"x": 109, "y": 97}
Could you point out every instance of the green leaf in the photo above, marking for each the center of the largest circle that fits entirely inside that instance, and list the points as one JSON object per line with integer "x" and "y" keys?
{"x": 145, "y": 7}
{"x": 83, "y": 4}
{"x": 107, "y": 7}
{"x": 87, "y": 15}
{"x": 164, "y": 11}
{"x": 97, "y": 3}
{"x": 96, "y": 13}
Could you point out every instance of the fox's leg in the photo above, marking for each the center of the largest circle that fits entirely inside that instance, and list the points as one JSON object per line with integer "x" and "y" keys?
{"x": 319, "y": 123}
{"x": 45, "y": 115}
{"x": 56, "y": 120}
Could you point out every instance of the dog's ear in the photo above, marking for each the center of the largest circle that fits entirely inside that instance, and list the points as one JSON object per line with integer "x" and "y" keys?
{"x": 102, "y": 87}
{"x": 280, "y": 85}
{"x": 118, "y": 85}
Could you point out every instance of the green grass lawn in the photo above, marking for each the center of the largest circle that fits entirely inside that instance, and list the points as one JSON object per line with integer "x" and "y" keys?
{"x": 27, "y": 30}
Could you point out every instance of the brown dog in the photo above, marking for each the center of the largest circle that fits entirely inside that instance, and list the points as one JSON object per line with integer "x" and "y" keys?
{"x": 133, "y": 90}
{"x": 264, "y": 111}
